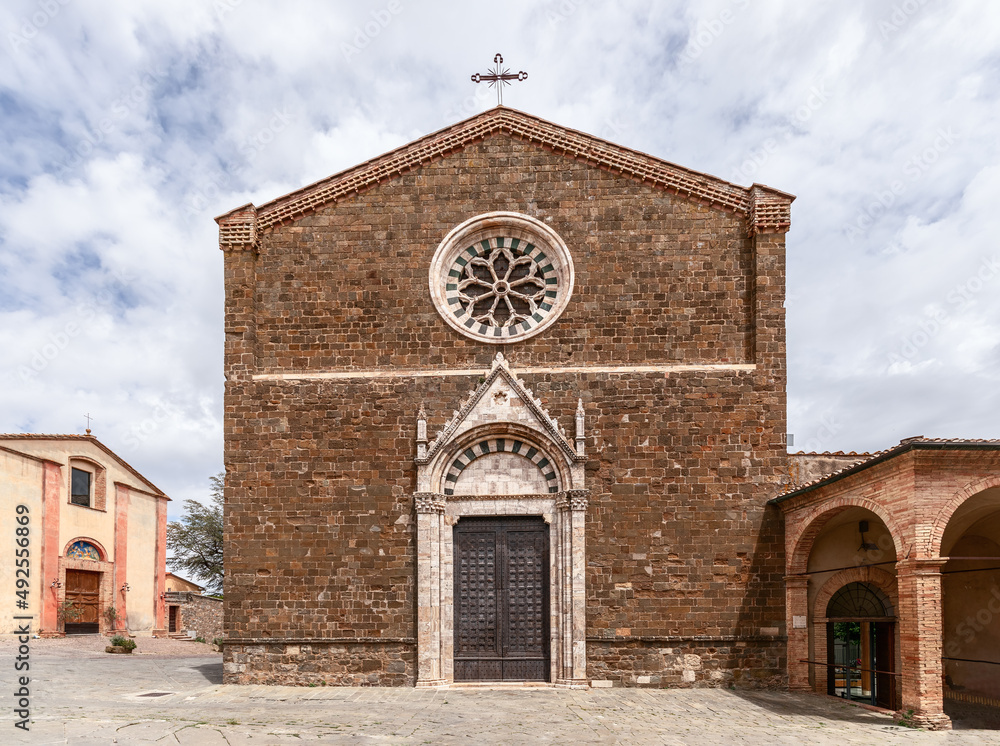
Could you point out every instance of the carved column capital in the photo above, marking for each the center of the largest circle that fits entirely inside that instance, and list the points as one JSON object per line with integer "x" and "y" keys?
{"x": 921, "y": 565}
{"x": 573, "y": 500}
{"x": 797, "y": 581}
{"x": 428, "y": 502}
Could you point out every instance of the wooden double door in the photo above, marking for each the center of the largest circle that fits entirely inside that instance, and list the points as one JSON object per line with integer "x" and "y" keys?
{"x": 501, "y": 599}
{"x": 83, "y": 591}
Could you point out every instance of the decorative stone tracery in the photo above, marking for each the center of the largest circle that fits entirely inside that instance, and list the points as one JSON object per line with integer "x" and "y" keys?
{"x": 498, "y": 414}
{"x": 501, "y": 276}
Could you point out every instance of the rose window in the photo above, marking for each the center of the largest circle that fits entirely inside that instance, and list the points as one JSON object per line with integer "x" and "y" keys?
{"x": 505, "y": 287}
{"x": 501, "y": 277}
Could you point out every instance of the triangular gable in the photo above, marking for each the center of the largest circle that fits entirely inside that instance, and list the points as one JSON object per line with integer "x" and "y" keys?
{"x": 766, "y": 210}
{"x": 493, "y": 402}
{"x": 14, "y": 437}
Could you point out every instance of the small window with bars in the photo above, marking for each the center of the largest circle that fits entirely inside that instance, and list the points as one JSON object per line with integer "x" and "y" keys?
{"x": 81, "y": 487}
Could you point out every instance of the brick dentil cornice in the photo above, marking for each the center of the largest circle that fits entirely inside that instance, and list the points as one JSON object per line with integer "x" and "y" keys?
{"x": 766, "y": 210}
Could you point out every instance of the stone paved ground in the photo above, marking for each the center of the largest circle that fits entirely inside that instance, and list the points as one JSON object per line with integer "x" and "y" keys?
{"x": 81, "y": 695}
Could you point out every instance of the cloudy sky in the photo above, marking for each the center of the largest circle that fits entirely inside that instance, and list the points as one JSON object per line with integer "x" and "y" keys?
{"x": 127, "y": 126}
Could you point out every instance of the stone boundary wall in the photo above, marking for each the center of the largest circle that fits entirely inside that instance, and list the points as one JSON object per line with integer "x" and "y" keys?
{"x": 199, "y": 614}
{"x": 804, "y": 468}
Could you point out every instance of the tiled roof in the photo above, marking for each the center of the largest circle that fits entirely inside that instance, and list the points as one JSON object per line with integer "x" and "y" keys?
{"x": 766, "y": 210}
{"x": 831, "y": 453}
{"x": 91, "y": 439}
{"x": 907, "y": 444}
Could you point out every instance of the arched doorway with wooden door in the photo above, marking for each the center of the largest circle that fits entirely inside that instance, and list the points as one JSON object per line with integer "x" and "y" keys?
{"x": 83, "y": 597}
{"x": 861, "y": 650}
{"x": 86, "y": 594}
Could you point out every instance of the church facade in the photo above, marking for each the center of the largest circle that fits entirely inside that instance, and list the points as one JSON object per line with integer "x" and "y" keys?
{"x": 507, "y": 403}
{"x": 88, "y": 539}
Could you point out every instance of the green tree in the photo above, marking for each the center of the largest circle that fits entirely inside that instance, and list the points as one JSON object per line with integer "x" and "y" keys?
{"x": 195, "y": 541}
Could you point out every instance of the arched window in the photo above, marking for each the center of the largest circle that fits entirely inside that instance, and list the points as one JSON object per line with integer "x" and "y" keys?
{"x": 87, "y": 483}
{"x": 858, "y": 600}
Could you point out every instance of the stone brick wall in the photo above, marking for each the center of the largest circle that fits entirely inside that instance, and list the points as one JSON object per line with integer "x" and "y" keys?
{"x": 310, "y": 664}
{"x": 320, "y": 473}
{"x": 804, "y": 468}
{"x": 200, "y": 615}
{"x": 658, "y": 278}
{"x": 686, "y": 663}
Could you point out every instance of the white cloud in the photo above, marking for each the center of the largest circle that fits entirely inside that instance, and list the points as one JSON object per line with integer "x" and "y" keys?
{"x": 127, "y": 126}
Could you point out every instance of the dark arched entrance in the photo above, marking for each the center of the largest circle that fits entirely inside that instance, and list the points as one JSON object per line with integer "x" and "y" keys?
{"x": 860, "y": 650}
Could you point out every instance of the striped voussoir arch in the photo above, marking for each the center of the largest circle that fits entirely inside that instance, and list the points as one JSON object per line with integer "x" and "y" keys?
{"x": 500, "y": 445}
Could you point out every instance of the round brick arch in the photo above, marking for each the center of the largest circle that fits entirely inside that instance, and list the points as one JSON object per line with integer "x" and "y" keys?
{"x": 820, "y": 516}
{"x": 949, "y": 509}
{"x": 876, "y": 576}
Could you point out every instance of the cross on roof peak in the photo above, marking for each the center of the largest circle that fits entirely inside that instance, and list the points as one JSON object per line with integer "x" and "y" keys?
{"x": 499, "y": 77}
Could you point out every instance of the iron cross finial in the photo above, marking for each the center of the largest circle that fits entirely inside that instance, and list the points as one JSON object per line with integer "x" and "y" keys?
{"x": 88, "y": 422}
{"x": 499, "y": 77}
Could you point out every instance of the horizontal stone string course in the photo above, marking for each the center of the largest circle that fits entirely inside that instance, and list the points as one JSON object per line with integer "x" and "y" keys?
{"x": 690, "y": 638}
{"x": 593, "y": 369}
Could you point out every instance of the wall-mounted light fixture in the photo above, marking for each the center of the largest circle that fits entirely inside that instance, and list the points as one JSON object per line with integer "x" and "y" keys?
{"x": 866, "y": 546}
{"x": 56, "y": 584}
{"x": 125, "y": 588}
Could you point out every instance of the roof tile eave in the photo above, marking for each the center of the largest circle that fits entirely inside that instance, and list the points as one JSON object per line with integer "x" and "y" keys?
{"x": 908, "y": 444}
{"x": 633, "y": 163}
{"x": 779, "y": 192}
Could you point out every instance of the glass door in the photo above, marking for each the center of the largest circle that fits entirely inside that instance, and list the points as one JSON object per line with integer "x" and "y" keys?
{"x": 851, "y": 653}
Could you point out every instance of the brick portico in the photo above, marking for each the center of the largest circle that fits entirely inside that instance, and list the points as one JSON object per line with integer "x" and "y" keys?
{"x": 931, "y": 512}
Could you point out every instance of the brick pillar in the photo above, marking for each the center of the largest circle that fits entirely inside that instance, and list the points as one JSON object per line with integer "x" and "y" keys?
{"x": 237, "y": 241}
{"x": 120, "y": 575}
{"x": 920, "y": 640}
{"x": 48, "y": 621}
{"x": 797, "y": 624}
